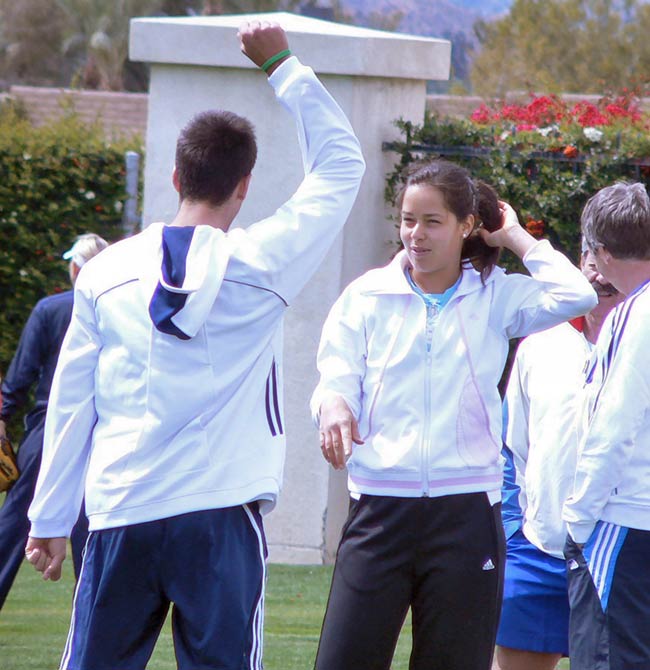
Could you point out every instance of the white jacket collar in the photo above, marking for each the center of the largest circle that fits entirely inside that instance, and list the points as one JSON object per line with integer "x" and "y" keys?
{"x": 391, "y": 278}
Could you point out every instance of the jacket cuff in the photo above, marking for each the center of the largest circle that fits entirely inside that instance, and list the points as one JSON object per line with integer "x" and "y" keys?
{"x": 284, "y": 73}
{"x": 48, "y": 530}
{"x": 580, "y": 532}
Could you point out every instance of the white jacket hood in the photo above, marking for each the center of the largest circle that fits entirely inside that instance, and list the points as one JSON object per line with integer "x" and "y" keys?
{"x": 193, "y": 262}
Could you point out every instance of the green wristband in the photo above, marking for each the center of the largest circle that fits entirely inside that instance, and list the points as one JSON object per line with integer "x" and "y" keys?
{"x": 274, "y": 59}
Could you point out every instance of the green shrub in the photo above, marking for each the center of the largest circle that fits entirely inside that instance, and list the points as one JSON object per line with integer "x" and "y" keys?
{"x": 56, "y": 182}
{"x": 545, "y": 158}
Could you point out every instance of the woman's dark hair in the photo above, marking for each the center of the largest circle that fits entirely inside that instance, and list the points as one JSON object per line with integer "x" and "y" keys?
{"x": 463, "y": 196}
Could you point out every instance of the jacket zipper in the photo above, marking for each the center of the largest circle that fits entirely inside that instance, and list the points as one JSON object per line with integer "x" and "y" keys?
{"x": 432, "y": 315}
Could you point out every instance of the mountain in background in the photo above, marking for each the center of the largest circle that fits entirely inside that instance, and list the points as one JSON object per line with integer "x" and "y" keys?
{"x": 436, "y": 18}
{"x": 431, "y": 17}
{"x": 486, "y": 7}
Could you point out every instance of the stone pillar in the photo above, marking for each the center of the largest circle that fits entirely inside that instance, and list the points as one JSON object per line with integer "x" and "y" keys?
{"x": 376, "y": 77}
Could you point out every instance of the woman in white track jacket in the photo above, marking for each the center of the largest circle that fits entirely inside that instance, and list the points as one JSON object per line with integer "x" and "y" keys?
{"x": 410, "y": 358}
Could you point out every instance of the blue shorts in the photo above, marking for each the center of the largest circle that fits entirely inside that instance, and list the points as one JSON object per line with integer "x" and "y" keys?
{"x": 535, "y": 613}
{"x": 208, "y": 566}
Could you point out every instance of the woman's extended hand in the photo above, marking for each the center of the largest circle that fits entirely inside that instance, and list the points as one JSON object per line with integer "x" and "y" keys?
{"x": 338, "y": 431}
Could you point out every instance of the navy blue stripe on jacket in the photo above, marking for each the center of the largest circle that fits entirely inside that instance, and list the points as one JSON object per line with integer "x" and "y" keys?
{"x": 165, "y": 304}
{"x": 273, "y": 416}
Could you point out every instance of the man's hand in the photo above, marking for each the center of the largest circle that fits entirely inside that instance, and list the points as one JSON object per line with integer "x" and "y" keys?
{"x": 261, "y": 41}
{"x": 338, "y": 430}
{"x": 46, "y": 555}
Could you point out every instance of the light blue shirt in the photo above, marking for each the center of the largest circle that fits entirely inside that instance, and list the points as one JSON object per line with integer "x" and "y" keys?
{"x": 435, "y": 300}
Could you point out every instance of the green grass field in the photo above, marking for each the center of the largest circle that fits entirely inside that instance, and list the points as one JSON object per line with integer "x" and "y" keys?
{"x": 34, "y": 621}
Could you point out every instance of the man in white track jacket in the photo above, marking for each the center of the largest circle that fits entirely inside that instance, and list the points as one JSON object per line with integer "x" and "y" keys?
{"x": 608, "y": 511}
{"x": 166, "y": 403}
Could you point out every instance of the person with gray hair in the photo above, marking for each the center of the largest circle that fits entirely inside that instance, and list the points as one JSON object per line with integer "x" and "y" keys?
{"x": 34, "y": 363}
{"x": 608, "y": 512}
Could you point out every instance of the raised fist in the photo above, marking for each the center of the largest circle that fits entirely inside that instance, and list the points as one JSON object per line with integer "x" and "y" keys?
{"x": 261, "y": 40}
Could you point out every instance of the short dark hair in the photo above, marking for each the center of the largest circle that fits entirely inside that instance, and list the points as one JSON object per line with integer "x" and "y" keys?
{"x": 463, "y": 196}
{"x": 214, "y": 152}
{"x": 618, "y": 218}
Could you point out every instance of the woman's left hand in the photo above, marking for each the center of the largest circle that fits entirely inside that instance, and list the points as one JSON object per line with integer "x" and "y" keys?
{"x": 511, "y": 235}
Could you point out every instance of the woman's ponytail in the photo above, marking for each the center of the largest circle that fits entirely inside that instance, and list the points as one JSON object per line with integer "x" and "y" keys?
{"x": 488, "y": 215}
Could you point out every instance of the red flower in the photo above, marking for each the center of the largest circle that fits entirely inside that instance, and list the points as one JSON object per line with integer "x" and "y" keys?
{"x": 545, "y": 109}
{"x": 535, "y": 228}
{"x": 481, "y": 115}
{"x": 570, "y": 151}
{"x": 588, "y": 115}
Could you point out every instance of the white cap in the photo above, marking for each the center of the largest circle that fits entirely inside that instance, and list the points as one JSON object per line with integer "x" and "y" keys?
{"x": 85, "y": 247}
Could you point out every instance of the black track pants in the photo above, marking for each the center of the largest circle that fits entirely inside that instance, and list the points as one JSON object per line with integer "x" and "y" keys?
{"x": 443, "y": 557}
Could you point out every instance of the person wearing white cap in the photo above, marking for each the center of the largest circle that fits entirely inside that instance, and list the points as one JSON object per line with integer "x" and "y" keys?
{"x": 85, "y": 247}
{"x": 34, "y": 363}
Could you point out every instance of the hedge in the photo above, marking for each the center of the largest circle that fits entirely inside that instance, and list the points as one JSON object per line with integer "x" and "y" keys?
{"x": 56, "y": 182}
{"x": 544, "y": 157}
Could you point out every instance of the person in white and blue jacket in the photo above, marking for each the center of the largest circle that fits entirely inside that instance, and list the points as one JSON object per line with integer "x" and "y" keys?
{"x": 166, "y": 406}
{"x": 608, "y": 510}
{"x": 410, "y": 358}
{"x": 540, "y": 450}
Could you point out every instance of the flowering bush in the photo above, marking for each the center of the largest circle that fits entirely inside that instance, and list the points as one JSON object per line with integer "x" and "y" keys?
{"x": 58, "y": 181}
{"x": 548, "y": 110}
{"x": 546, "y": 157}
{"x": 548, "y": 123}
